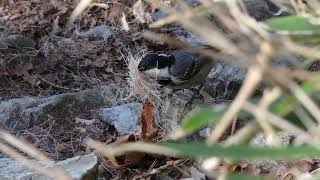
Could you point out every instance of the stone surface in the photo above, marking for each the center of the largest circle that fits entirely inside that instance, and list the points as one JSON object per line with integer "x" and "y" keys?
{"x": 28, "y": 112}
{"x": 224, "y": 81}
{"x": 261, "y": 141}
{"x": 274, "y": 167}
{"x": 16, "y": 41}
{"x": 79, "y": 168}
{"x": 125, "y": 118}
{"x": 103, "y": 32}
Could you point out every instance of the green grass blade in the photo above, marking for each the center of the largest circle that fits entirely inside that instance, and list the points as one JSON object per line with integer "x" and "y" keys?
{"x": 286, "y": 105}
{"x": 202, "y": 150}
{"x": 198, "y": 150}
{"x": 246, "y": 177}
{"x": 301, "y": 29}
{"x": 200, "y": 118}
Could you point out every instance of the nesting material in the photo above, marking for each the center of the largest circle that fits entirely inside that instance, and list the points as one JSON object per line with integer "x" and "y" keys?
{"x": 140, "y": 85}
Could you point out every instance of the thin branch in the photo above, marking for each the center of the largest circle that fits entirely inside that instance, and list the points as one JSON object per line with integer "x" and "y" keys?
{"x": 252, "y": 80}
{"x": 281, "y": 123}
{"x": 25, "y": 147}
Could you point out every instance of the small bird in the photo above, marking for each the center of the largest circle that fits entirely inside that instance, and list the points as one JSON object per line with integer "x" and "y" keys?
{"x": 178, "y": 70}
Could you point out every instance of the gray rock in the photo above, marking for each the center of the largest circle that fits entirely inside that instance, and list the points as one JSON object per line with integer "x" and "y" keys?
{"x": 16, "y": 41}
{"x": 79, "y": 168}
{"x": 261, "y": 141}
{"x": 258, "y": 9}
{"x": 224, "y": 81}
{"x": 28, "y": 112}
{"x": 159, "y": 15}
{"x": 125, "y": 118}
{"x": 189, "y": 38}
{"x": 273, "y": 167}
{"x": 196, "y": 174}
{"x": 104, "y": 32}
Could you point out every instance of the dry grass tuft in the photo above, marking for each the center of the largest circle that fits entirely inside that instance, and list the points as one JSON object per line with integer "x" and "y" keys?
{"x": 141, "y": 86}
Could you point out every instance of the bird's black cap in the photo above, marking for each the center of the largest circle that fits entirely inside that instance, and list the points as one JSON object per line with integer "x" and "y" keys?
{"x": 153, "y": 60}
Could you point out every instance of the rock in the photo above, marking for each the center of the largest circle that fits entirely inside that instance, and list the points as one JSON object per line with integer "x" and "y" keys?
{"x": 273, "y": 167}
{"x": 102, "y": 32}
{"x": 261, "y": 140}
{"x": 28, "y": 112}
{"x": 125, "y": 118}
{"x": 196, "y": 174}
{"x": 158, "y": 15}
{"x": 188, "y": 38}
{"x": 258, "y": 9}
{"x": 79, "y": 168}
{"x": 16, "y": 41}
{"x": 224, "y": 81}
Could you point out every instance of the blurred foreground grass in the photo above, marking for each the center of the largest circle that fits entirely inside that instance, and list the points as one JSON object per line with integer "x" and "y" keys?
{"x": 290, "y": 99}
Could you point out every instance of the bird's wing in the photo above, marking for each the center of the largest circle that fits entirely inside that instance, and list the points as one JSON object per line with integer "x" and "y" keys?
{"x": 185, "y": 65}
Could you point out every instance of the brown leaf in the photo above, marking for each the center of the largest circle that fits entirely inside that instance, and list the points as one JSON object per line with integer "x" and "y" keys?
{"x": 62, "y": 148}
{"x": 120, "y": 163}
{"x": 115, "y": 13}
{"x": 148, "y": 122}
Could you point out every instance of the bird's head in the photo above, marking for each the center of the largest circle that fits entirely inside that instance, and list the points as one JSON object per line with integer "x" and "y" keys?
{"x": 156, "y": 65}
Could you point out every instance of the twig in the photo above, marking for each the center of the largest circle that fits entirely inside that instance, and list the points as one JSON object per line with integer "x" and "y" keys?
{"x": 304, "y": 99}
{"x": 25, "y": 147}
{"x": 242, "y": 134}
{"x": 268, "y": 98}
{"x": 233, "y": 127}
{"x": 55, "y": 85}
{"x": 281, "y": 123}
{"x": 252, "y": 80}
{"x": 159, "y": 169}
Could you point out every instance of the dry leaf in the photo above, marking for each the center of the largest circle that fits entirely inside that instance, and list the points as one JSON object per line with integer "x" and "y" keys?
{"x": 115, "y": 13}
{"x": 148, "y": 122}
{"x": 62, "y": 148}
{"x": 120, "y": 163}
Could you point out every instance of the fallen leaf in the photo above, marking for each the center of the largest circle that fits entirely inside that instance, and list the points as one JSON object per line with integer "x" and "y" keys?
{"x": 115, "y": 13}
{"x": 62, "y": 148}
{"x": 120, "y": 163}
{"x": 148, "y": 122}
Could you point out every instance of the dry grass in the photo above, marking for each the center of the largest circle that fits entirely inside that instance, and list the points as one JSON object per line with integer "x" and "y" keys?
{"x": 47, "y": 167}
{"x": 253, "y": 45}
{"x": 141, "y": 86}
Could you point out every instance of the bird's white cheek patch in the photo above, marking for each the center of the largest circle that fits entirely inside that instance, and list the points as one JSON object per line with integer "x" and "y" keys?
{"x": 158, "y": 73}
